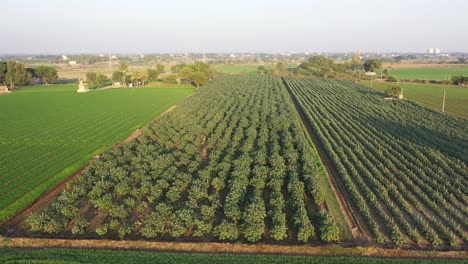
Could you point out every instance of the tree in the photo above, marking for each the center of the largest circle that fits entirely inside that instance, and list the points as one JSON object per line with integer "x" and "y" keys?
{"x": 91, "y": 77}
{"x": 198, "y": 73}
{"x": 261, "y": 69}
{"x": 117, "y": 76}
{"x": 46, "y": 73}
{"x": 356, "y": 61}
{"x": 152, "y": 75}
{"x": 16, "y": 74}
{"x": 385, "y": 73}
{"x": 372, "y": 65}
{"x": 160, "y": 68}
{"x": 123, "y": 67}
{"x": 3, "y": 71}
{"x": 329, "y": 232}
{"x": 101, "y": 80}
{"x": 393, "y": 91}
{"x": 199, "y": 78}
{"x": 460, "y": 80}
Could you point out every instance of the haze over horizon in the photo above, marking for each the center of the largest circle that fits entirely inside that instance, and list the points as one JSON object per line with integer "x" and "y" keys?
{"x": 142, "y": 26}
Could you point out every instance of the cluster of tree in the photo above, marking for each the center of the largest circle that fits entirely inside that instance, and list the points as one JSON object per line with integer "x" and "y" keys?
{"x": 138, "y": 77}
{"x": 197, "y": 74}
{"x": 322, "y": 66}
{"x": 96, "y": 79}
{"x": 460, "y": 80}
{"x": 393, "y": 91}
{"x": 45, "y": 73}
{"x": 13, "y": 74}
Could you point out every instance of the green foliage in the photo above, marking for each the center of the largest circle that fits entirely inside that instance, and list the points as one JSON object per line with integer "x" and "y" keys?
{"x": 97, "y": 80}
{"x": 393, "y": 91}
{"x": 66, "y": 255}
{"x": 16, "y": 74}
{"x": 198, "y": 73}
{"x": 329, "y": 232}
{"x": 46, "y": 73}
{"x": 391, "y": 159}
{"x": 226, "y": 231}
{"x": 391, "y": 79}
{"x": 118, "y": 76}
{"x": 3, "y": 71}
{"x": 219, "y": 165}
{"x": 372, "y": 65}
{"x": 44, "y": 154}
{"x": 80, "y": 226}
{"x": 460, "y": 80}
{"x": 152, "y": 75}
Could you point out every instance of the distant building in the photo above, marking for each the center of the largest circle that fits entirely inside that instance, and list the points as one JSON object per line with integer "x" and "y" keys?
{"x": 430, "y": 51}
{"x": 64, "y": 57}
{"x": 72, "y": 62}
{"x": 437, "y": 51}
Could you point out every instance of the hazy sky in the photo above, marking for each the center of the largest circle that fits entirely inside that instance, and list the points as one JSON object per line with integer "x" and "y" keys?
{"x": 143, "y": 26}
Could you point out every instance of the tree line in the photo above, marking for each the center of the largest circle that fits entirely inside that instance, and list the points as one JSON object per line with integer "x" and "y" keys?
{"x": 196, "y": 74}
{"x": 14, "y": 74}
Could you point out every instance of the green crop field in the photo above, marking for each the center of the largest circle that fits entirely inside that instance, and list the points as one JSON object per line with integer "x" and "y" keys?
{"x": 431, "y": 95}
{"x": 48, "y": 132}
{"x": 404, "y": 166}
{"x": 140, "y": 257}
{"x": 230, "y": 163}
{"x": 428, "y": 73}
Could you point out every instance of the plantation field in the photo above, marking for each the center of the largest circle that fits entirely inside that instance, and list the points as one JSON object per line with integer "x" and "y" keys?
{"x": 428, "y": 73}
{"x": 431, "y": 95}
{"x": 231, "y": 163}
{"x": 140, "y": 257}
{"x": 404, "y": 166}
{"x": 48, "y": 132}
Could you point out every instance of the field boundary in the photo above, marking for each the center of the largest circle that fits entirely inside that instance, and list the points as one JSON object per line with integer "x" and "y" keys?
{"x": 230, "y": 248}
{"x": 332, "y": 175}
{"x": 48, "y": 196}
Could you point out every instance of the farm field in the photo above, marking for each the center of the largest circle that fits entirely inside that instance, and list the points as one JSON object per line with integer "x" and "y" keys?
{"x": 48, "y": 132}
{"x": 404, "y": 166}
{"x": 140, "y": 257}
{"x": 431, "y": 95}
{"x": 428, "y": 73}
{"x": 231, "y": 163}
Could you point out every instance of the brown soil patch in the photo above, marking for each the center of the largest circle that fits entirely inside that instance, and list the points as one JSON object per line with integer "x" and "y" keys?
{"x": 233, "y": 248}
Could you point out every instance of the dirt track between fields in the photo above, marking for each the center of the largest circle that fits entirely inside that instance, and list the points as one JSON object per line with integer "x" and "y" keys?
{"x": 230, "y": 248}
{"x": 46, "y": 198}
{"x": 333, "y": 176}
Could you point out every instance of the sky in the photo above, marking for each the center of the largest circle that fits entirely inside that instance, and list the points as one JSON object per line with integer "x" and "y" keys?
{"x": 180, "y": 26}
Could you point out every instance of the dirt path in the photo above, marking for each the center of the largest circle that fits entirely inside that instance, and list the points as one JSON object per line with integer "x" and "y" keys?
{"x": 50, "y": 195}
{"x": 333, "y": 176}
{"x": 231, "y": 248}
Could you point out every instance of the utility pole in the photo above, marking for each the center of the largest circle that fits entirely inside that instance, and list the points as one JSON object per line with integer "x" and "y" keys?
{"x": 443, "y": 101}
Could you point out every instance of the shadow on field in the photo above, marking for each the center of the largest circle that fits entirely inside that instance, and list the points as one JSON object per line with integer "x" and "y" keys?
{"x": 450, "y": 143}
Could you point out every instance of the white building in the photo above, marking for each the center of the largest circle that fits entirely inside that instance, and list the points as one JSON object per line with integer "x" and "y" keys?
{"x": 430, "y": 51}
{"x": 72, "y": 62}
{"x": 64, "y": 57}
{"x": 437, "y": 51}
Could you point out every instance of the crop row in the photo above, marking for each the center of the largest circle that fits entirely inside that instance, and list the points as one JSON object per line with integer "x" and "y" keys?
{"x": 230, "y": 163}
{"x": 406, "y": 175}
